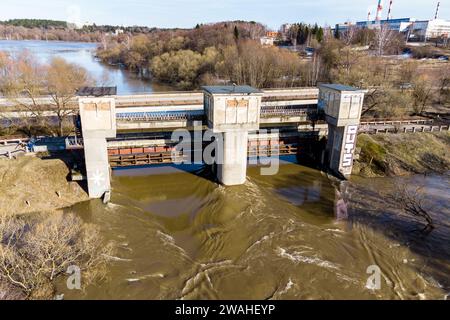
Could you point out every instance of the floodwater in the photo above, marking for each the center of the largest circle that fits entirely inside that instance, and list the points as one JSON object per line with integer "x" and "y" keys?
{"x": 179, "y": 235}
{"x": 82, "y": 54}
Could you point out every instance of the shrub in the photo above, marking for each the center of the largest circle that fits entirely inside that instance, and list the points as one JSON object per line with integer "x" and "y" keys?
{"x": 35, "y": 252}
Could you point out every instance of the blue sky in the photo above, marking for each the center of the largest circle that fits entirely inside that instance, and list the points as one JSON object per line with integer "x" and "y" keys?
{"x": 182, "y": 13}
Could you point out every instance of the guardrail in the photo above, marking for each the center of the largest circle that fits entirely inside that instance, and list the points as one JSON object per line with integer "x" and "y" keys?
{"x": 405, "y": 129}
{"x": 160, "y": 116}
{"x": 395, "y": 121}
{"x": 12, "y": 140}
{"x": 10, "y": 154}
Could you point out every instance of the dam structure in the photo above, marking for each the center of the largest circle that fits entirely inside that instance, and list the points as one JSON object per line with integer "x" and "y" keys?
{"x": 119, "y": 131}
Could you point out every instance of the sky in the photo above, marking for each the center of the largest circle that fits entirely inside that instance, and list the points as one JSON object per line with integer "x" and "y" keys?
{"x": 187, "y": 13}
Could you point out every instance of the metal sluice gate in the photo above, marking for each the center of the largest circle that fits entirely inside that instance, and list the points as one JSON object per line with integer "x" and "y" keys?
{"x": 147, "y": 155}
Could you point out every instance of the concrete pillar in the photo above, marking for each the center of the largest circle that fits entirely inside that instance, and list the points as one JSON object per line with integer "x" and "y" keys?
{"x": 342, "y": 106}
{"x": 233, "y": 169}
{"x": 97, "y": 166}
{"x": 232, "y": 111}
{"x": 98, "y": 122}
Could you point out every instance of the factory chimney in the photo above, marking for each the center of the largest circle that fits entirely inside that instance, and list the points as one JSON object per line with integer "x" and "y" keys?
{"x": 389, "y": 16}
{"x": 379, "y": 10}
{"x": 437, "y": 10}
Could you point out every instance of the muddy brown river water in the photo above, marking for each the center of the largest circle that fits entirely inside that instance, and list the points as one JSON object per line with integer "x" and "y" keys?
{"x": 181, "y": 236}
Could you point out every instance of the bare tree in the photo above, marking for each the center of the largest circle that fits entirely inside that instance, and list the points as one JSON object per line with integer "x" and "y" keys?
{"x": 25, "y": 81}
{"x": 63, "y": 79}
{"x": 412, "y": 200}
{"x": 383, "y": 38}
{"x": 349, "y": 35}
{"x": 22, "y": 83}
{"x": 35, "y": 253}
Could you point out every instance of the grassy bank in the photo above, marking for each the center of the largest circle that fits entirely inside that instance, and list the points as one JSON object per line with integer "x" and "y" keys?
{"x": 400, "y": 154}
{"x": 30, "y": 184}
{"x": 39, "y": 242}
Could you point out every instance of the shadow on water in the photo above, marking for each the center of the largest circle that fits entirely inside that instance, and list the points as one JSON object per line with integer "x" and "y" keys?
{"x": 369, "y": 205}
{"x": 319, "y": 197}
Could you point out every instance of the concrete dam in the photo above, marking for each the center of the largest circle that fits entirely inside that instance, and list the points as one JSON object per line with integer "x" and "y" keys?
{"x": 234, "y": 122}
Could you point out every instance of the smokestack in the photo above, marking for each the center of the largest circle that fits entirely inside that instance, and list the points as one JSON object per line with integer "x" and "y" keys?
{"x": 437, "y": 11}
{"x": 389, "y": 17}
{"x": 379, "y": 10}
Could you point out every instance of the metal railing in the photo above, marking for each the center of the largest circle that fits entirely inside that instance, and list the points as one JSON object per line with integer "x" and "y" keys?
{"x": 160, "y": 116}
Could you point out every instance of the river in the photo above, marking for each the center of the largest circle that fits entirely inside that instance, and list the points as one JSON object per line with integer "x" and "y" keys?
{"x": 180, "y": 235}
{"x": 82, "y": 54}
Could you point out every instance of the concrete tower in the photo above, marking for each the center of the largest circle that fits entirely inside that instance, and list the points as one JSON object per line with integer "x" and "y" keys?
{"x": 342, "y": 106}
{"x": 232, "y": 111}
{"x": 98, "y": 119}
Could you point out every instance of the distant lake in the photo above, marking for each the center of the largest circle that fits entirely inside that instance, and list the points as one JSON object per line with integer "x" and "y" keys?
{"x": 82, "y": 54}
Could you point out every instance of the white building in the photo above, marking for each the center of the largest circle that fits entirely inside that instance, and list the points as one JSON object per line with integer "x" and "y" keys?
{"x": 118, "y": 32}
{"x": 399, "y": 25}
{"x": 429, "y": 29}
{"x": 267, "y": 41}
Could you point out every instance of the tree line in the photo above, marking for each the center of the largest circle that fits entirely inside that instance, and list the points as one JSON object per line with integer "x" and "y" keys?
{"x": 35, "y": 23}
{"x": 207, "y": 54}
{"x": 230, "y": 52}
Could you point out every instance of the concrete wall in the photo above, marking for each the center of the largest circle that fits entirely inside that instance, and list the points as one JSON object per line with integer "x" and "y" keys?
{"x": 232, "y": 112}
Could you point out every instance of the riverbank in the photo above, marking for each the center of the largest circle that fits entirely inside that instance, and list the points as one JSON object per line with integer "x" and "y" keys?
{"x": 401, "y": 154}
{"x": 39, "y": 241}
{"x": 30, "y": 184}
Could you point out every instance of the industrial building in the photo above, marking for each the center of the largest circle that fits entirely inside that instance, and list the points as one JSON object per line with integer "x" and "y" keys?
{"x": 429, "y": 29}
{"x": 416, "y": 30}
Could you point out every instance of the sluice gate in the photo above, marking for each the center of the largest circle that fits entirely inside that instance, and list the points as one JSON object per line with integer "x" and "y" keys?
{"x": 239, "y": 115}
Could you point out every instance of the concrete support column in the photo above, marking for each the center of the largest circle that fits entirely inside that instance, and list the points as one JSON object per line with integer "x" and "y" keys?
{"x": 341, "y": 146}
{"x": 98, "y": 122}
{"x": 233, "y": 169}
{"x": 342, "y": 106}
{"x": 97, "y": 166}
{"x": 232, "y": 111}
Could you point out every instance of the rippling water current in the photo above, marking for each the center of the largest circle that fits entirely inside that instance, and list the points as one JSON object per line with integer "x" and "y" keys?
{"x": 180, "y": 235}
